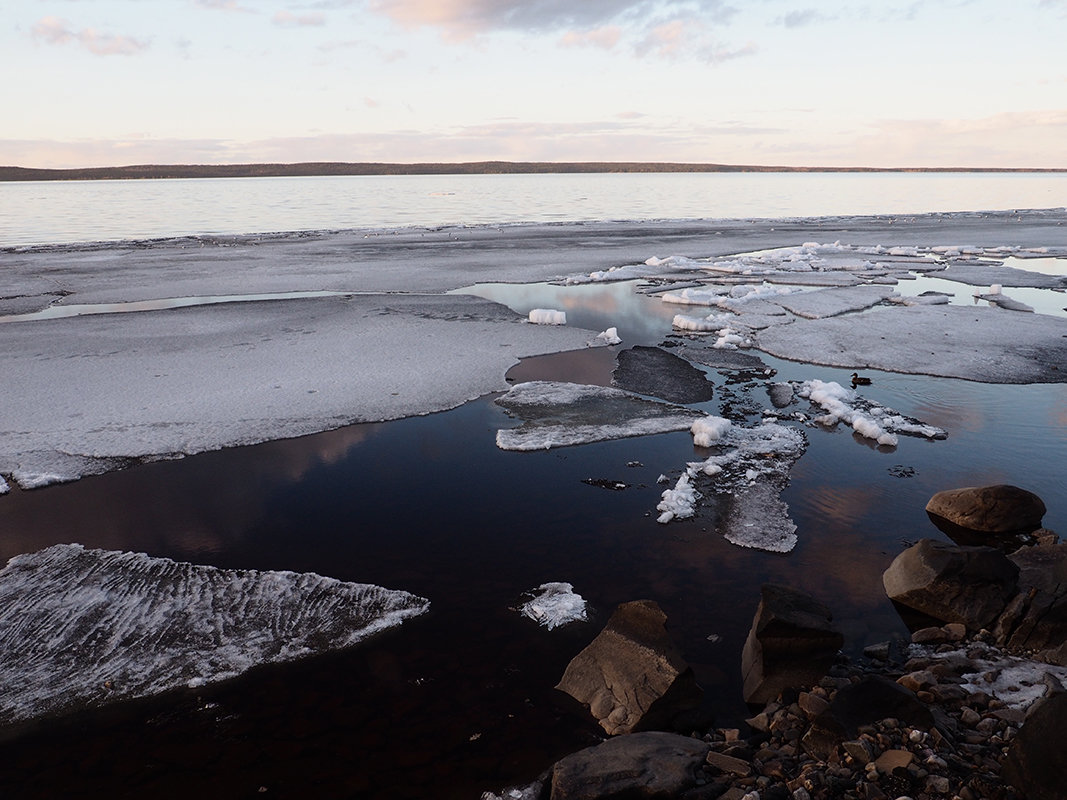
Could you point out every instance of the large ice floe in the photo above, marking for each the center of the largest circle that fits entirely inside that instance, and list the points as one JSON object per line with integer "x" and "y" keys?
{"x": 863, "y": 322}
{"x": 558, "y": 414}
{"x": 83, "y": 628}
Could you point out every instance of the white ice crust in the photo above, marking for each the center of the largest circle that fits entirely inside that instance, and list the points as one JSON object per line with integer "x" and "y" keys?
{"x": 547, "y": 316}
{"x": 554, "y": 605}
{"x": 559, "y": 414}
{"x": 84, "y": 628}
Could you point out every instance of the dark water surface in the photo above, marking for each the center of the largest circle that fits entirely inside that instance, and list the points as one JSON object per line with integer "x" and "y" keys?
{"x": 461, "y": 700}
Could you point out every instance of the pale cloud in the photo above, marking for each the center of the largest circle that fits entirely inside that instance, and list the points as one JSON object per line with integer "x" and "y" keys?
{"x": 606, "y": 37}
{"x": 462, "y": 19}
{"x": 224, "y": 5}
{"x": 802, "y": 17}
{"x": 53, "y": 30}
{"x": 288, "y": 20}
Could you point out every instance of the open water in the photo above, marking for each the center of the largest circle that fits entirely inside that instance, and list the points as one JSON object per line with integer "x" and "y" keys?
{"x": 51, "y": 212}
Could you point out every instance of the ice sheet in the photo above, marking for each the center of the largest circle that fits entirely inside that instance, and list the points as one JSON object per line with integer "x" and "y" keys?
{"x": 83, "y": 628}
{"x": 980, "y": 344}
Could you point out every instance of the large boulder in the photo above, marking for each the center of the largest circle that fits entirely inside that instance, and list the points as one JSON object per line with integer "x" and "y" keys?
{"x": 791, "y": 644}
{"x": 644, "y": 765}
{"x": 1035, "y": 621}
{"x": 1037, "y": 760}
{"x": 970, "y": 585}
{"x": 632, "y": 675}
{"x": 989, "y": 509}
{"x": 652, "y": 371}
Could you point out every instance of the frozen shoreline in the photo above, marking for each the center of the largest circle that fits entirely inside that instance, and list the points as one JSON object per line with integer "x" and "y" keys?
{"x": 83, "y": 395}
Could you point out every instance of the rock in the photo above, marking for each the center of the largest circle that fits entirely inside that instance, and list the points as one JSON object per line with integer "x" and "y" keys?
{"x": 781, "y": 394}
{"x": 725, "y": 763}
{"x": 893, "y": 759}
{"x": 989, "y": 509}
{"x": 791, "y": 644}
{"x": 1037, "y": 761}
{"x": 1036, "y": 619}
{"x": 632, "y": 676}
{"x": 642, "y": 765}
{"x": 969, "y": 585}
{"x": 652, "y": 371}
{"x": 872, "y": 699}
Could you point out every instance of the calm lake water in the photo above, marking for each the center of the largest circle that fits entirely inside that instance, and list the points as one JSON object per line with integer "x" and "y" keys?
{"x": 75, "y": 211}
{"x": 461, "y": 700}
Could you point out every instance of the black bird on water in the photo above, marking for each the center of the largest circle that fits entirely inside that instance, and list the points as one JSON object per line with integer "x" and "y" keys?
{"x": 859, "y": 381}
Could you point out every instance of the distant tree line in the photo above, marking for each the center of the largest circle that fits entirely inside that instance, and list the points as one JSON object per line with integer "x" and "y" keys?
{"x": 313, "y": 168}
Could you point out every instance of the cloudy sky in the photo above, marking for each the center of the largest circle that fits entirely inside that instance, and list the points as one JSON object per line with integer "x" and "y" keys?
{"x": 789, "y": 82}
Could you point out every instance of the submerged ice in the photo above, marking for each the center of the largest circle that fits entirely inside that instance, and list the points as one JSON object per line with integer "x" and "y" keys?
{"x": 558, "y": 414}
{"x": 82, "y": 628}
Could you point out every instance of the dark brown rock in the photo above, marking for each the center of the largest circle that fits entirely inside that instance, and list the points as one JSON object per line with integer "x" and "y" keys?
{"x": 1036, "y": 618}
{"x": 642, "y": 765}
{"x": 989, "y": 509}
{"x": 1037, "y": 760}
{"x": 632, "y": 676}
{"x": 969, "y": 585}
{"x": 791, "y": 644}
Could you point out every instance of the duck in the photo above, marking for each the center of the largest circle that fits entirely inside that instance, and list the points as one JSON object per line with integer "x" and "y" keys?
{"x": 859, "y": 381}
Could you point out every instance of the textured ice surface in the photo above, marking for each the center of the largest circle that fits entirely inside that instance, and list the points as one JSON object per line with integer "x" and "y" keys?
{"x": 831, "y": 302}
{"x": 554, "y": 604}
{"x": 743, "y": 479}
{"x": 980, "y": 344}
{"x": 84, "y": 628}
{"x": 558, "y": 414}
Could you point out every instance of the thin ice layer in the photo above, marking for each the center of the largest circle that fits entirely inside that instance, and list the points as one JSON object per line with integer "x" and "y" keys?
{"x": 84, "y": 628}
{"x": 557, "y": 414}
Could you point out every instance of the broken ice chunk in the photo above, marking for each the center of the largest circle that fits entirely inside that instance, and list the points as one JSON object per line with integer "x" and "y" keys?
{"x": 554, "y": 604}
{"x": 548, "y": 316}
{"x": 83, "y": 628}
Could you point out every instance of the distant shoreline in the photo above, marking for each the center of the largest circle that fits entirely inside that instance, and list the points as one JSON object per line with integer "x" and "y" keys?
{"x": 323, "y": 168}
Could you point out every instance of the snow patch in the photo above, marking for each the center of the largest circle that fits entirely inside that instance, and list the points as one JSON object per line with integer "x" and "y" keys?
{"x": 610, "y": 336}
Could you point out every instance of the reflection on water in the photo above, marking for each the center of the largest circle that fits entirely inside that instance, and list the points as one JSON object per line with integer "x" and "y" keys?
{"x": 640, "y": 319}
{"x": 462, "y": 698}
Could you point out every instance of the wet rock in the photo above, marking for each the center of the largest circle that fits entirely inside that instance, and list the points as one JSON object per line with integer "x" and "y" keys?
{"x": 989, "y": 509}
{"x": 632, "y": 676}
{"x": 643, "y": 765}
{"x": 1037, "y": 761}
{"x": 791, "y": 644}
{"x": 968, "y": 585}
{"x": 652, "y": 371}
{"x": 1036, "y": 619}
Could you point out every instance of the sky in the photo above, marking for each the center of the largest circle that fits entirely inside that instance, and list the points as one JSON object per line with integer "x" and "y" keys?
{"x": 908, "y": 83}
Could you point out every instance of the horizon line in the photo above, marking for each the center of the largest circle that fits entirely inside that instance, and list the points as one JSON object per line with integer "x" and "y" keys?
{"x": 485, "y": 167}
